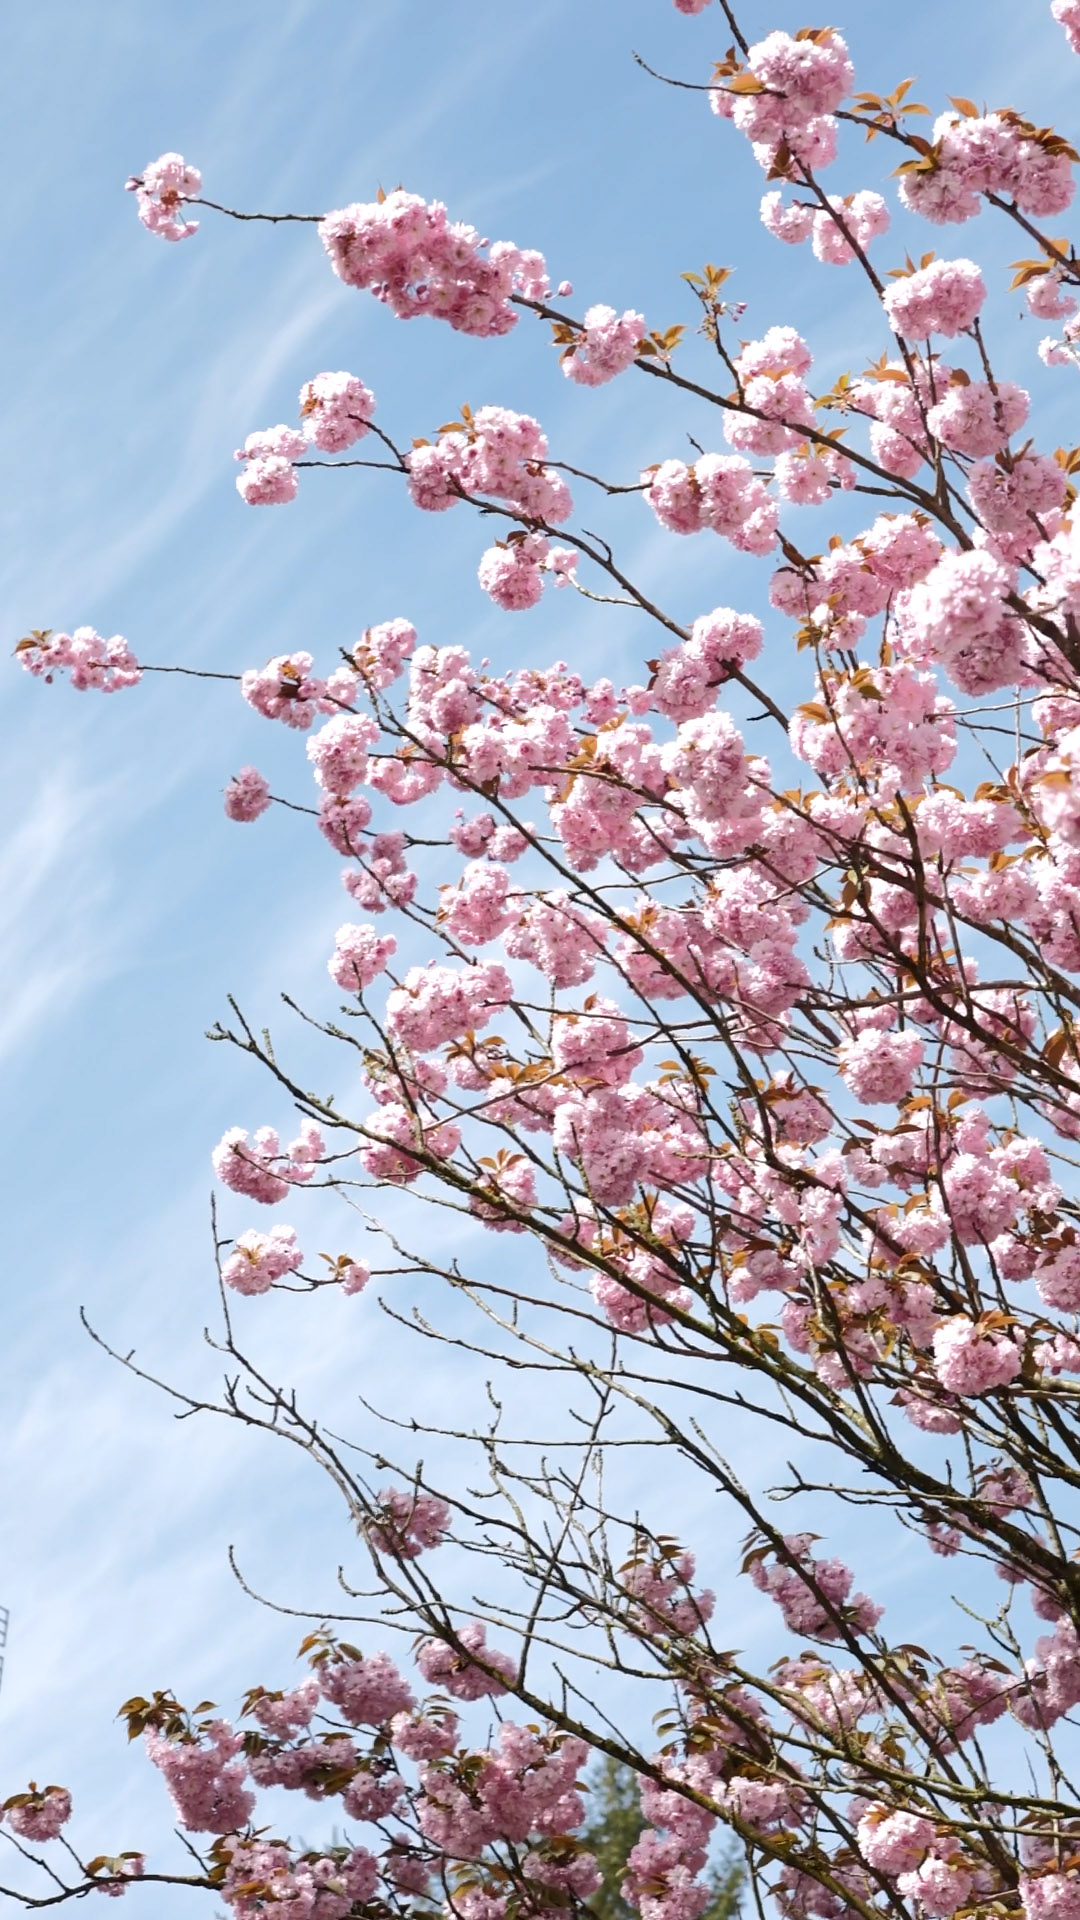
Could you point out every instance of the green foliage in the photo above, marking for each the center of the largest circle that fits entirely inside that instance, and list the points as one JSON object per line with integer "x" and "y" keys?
{"x": 615, "y": 1822}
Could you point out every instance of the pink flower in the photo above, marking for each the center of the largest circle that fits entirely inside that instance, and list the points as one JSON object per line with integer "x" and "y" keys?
{"x": 360, "y": 955}
{"x": 422, "y": 1738}
{"x": 339, "y": 751}
{"x": 858, "y": 217}
{"x": 205, "y": 1778}
{"x": 412, "y": 257}
{"x": 336, "y": 409}
{"x": 410, "y": 1523}
{"x": 792, "y": 224}
{"x": 247, "y": 795}
{"x": 259, "y": 1259}
{"x": 366, "y": 1691}
{"x": 284, "y": 689}
{"x": 802, "y": 82}
{"x": 458, "y": 1673}
{"x": 978, "y": 419}
{"x": 353, "y": 1275}
{"x": 606, "y": 346}
{"x": 880, "y": 1067}
{"x": 971, "y": 1357}
{"x": 894, "y": 1842}
{"x": 39, "y": 1813}
{"x": 160, "y": 193}
{"x": 435, "y": 1004}
{"x": 267, "y": 482}
{"x": 91, "y": 662}
{"x": 721, "y": 492}
{"x": 511, "y": 574}
{"x": 1067, "y": 14}
{"x": 946, "y": 297}
{"x": 796, "y": 1582}
{"x": 1053, "y": 1896}
{"x": 1046, "y": 298}
{"x": 939, "y": 1886}
{"x": 248, "y": 1166}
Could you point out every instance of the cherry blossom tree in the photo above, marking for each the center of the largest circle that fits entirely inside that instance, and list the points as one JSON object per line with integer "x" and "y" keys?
{"x": 754, "y": 1020}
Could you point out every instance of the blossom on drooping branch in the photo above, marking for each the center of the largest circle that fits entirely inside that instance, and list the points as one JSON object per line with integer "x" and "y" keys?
{"x": 259, "y": 1259}
{"x": 161, "y": 191}
{"x": 945, "y": 297}
{"x": 785, "y": 97}
{"x": 416, "y": 260}
{"x": 336, "y": 410}
{"x": 720, "y": 492}
{"x": 471, "y": 1674}
{"x": 39, "y": 1813}
{"x": 260, "y": 1169}
{"x": 268, "y": 475}
{"x": 247, "y": 795}
{"x": 1067, "y": 12}
{"x": 89, "y": 661}
{"x": 360, "y": 955}
{"x": 606, "y": 345}
{"x": 409, "y": 1523}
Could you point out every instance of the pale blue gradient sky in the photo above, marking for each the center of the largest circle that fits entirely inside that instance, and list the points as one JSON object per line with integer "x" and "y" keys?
{"x": 128, "y": 906}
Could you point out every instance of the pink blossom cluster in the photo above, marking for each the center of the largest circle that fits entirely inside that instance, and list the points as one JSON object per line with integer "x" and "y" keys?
{"x": 524, "y": 1784}
{"x": 87, "y": 659}
{"x": 973, "y": 1357}
{"x": 512, "y": 572}
{"x": 878, "y": 1067}
{"x": 258, "y": 1259}
{"x": 771, "y": 374}
{"x": 496, "y": 453}
{"x": 958, "y": 616}
{"x": 39, "y": 1813}
{"x": 720, "y": 492}
{"x": 259, "y": 1169}
{"x": 415, "y": 259}
{"x": 367, "y": 1691}
{"x": 976, "y": 418}
{"x": 262, "y": 1875}
{"x": 285, "y": 689}
{"x": 469, "y": 1671}
{"x": 360, "y": 955}
{"x": 605, "y": 346}
{"x": 335, "y": 412}
{"x": 409, "y": 1523}
{"x": 247, "y": 795}
{"x": 976, "y": 154}
{"x": 267, "y": 476}
{"x": 893, "y": 721}
{"x": 848, "y": 223}
{"x": 665, "y": 1594}
{"x": 380, "y": 656}
{"x": 205, "y": 1775}
{"x": 795, "y": 85}
{"x": 688, "y": 677}
{"x": 435, "y": 1004}
{"x": 1067, "y": 13}
{"x": 1053, "y": 1896}
{"x": 161, "y": 191}
{"x": 814, "y": 1596}
{"x": 945, "y": 297}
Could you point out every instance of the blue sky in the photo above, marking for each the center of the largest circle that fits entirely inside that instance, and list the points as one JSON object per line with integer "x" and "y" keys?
{"x": 128, "y": 906}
